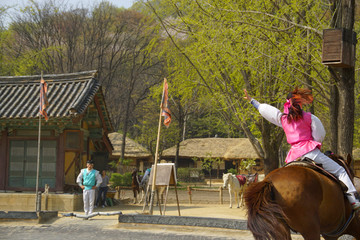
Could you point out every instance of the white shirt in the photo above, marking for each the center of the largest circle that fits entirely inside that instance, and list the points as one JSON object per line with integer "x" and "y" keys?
{"x": 273, "y": 115}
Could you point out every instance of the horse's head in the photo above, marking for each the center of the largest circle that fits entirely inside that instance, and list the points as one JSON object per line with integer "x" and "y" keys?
{"x": 226, "y": 179}
{"x": 134, "y": 172}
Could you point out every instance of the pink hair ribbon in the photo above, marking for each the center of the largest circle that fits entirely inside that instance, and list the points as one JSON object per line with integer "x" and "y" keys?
{"x": 287, "y": 105}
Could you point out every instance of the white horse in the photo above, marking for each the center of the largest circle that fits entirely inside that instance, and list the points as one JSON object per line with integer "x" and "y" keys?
{"x": 232, "y": 182}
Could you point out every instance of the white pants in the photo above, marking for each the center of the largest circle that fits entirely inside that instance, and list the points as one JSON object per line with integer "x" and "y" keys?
{"x": 332, "y": 167}
{"x": 89, "y": 200}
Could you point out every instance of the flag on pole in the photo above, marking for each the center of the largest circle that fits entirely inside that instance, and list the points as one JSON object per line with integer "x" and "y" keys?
{"x": 165, "y": 105}
{"x": 43, "y": 98}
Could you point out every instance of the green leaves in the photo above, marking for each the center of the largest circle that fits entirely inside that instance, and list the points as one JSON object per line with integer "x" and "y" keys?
{"x": 268, "y": 47}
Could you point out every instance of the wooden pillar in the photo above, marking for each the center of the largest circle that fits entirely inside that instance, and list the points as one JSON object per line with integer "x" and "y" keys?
{"x": 60, "y": 164}
{"x": 189, "y": 192}
{"x": 3, "y": 159}
{"x": 221, "y": 194}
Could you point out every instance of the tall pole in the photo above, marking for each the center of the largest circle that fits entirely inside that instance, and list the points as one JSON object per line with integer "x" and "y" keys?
{"x": 153, "y": 187}
{"x": 38, "y": 158}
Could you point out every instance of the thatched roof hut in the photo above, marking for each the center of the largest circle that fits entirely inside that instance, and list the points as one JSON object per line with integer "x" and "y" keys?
{"x": 132, "y": 148}
{"x": 142, "y": 158}
{"x": 224, "y": 148}
{"x": 231, "y": 150}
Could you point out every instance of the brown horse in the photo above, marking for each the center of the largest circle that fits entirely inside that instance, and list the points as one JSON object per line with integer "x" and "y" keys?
{"x": 135, "y": 184}
{"x": 300, "y": 199}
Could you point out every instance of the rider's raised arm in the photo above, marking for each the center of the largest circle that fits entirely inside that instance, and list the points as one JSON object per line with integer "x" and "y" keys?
{"x": 317, "y": 129}
{"x": 270, "y": 113}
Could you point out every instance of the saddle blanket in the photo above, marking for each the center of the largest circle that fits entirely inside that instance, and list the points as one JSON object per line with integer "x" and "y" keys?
{"x": 309, "y": 163}
{"x": 242, "y": 179}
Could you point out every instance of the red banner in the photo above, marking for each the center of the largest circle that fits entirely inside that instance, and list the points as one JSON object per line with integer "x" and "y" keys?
{"x": 43, "y": 98}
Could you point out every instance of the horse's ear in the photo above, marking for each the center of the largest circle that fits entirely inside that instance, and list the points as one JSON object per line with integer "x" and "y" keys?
{"x": 348, "y": 159}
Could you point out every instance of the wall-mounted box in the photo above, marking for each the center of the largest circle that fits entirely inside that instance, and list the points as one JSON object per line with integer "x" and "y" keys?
{"x": 339, "y": 48}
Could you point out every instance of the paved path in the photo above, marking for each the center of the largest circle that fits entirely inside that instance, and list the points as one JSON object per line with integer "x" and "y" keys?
{"x": 99, "y": 228}
{"x": 108, "y": 227}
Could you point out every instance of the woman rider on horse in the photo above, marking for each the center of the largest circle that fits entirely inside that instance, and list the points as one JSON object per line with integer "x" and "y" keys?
{"x": 304, "y": 132}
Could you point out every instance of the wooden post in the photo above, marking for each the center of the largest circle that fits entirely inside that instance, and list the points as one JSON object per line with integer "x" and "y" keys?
{"x": 117, "y": 192}
{"x": 177, "y": 200}
{"x": 221, "y": 194}
{"x": 37, "y": 205}
{"x": 46, "y": 196}
{"x": 153, "y": 186}
{"x": 189, "y": 192}
{"x": 166, "y": 196}
{"x": 158, "y": 202}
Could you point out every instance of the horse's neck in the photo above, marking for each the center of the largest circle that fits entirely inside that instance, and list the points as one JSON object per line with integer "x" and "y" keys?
{"x": 135, "y": 179}
{"x": 231, "y": 181}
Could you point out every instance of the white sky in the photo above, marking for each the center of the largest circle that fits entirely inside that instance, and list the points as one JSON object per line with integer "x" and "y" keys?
{"x": 17, "y": 4}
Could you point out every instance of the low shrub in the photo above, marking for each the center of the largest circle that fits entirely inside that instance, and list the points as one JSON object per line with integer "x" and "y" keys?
{"x": 118, "y": 179}
{"x": 232, "y": 170}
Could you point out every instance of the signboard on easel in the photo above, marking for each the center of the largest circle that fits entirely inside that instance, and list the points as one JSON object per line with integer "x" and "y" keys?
{"x": 165, "y": 177}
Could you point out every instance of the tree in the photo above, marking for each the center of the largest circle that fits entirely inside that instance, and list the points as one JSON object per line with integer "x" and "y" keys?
{"x": 343, "y": 91}
{"x": 208, "y": 163}
{"x": 120, "y": 44}
{"x": 258, "y": 46}
{"x": 247, "y": 164}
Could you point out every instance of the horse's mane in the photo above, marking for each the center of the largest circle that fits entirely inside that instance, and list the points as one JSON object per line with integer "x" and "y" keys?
{"x": 264, "y": 213}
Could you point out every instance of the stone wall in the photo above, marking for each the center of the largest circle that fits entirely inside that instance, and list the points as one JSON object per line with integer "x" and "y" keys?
{"x": 26, "y": 202}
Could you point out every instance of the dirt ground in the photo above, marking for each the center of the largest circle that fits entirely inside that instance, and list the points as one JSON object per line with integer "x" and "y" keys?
{"x": 203, "y": 204}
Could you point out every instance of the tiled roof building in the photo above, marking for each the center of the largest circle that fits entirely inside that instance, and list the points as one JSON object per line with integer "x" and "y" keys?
{"x": 77, "y": 129}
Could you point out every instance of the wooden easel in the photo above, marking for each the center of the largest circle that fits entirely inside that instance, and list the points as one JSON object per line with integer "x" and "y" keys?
{"x": 165, "y": 177}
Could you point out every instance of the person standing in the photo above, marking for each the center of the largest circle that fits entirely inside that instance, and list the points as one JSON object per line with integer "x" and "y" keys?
{"x": 89, "y": 179}
{"x": 103, "y": 188}
{"x": 147, "y": 173}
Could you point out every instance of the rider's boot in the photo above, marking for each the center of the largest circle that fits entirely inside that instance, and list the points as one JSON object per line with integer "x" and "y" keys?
{"x": 355, "y": 204}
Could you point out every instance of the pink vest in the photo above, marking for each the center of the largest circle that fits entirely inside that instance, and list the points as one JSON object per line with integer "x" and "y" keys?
{"x": 299, "y": 136}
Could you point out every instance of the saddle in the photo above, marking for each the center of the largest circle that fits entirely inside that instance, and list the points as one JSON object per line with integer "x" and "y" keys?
{"x": 241, "y": 179}
{"x": 309, "y": 163}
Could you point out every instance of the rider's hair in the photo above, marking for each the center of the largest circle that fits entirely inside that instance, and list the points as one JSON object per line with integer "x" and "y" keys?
{"x": 298, "y": 98}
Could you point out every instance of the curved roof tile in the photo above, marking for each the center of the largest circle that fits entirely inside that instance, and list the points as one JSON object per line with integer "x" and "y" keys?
{"x": 68, "y": 94}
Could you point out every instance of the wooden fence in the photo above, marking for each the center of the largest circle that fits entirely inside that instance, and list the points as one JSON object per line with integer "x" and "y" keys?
{"x": 220, "y": 190}
{"x": 190, "y": 191}
{"x": 118, "y": 191}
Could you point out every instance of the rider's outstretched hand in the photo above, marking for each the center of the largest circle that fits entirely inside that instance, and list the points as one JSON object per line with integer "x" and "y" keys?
{"x": 247, "y": 97}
